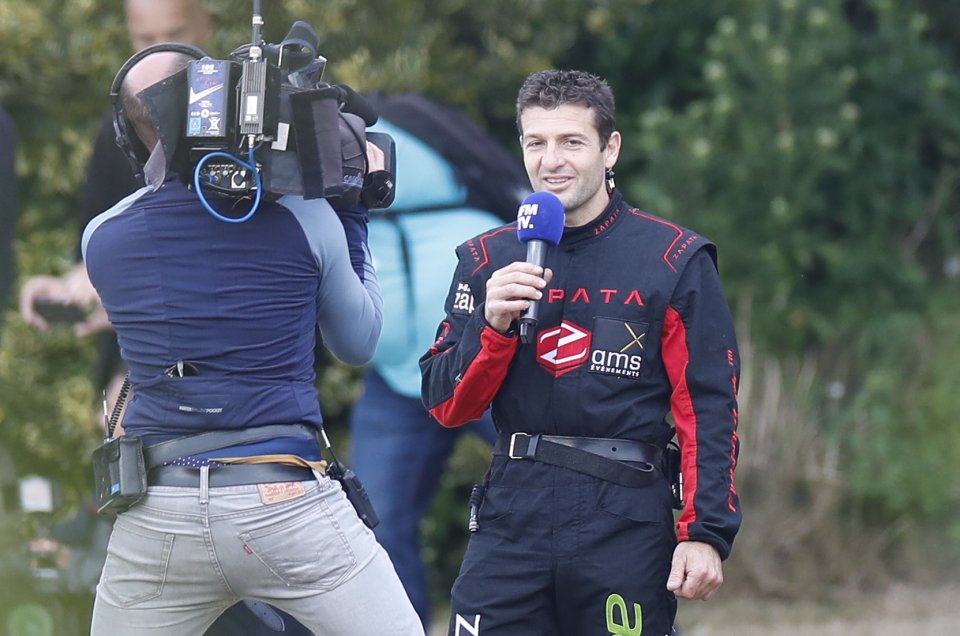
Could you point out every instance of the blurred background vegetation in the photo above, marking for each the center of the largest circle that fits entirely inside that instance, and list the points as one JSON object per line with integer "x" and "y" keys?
{"x": 817, "y": 142}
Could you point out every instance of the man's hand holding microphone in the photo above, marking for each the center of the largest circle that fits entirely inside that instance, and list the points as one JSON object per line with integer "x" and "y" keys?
{"x": 514, "y": 291}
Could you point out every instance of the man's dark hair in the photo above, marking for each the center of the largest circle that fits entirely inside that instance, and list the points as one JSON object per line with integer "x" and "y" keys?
{"x": 553, "y": 88}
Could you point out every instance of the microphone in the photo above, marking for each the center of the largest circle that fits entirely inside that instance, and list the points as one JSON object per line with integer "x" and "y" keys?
{"x": 539, "y": 223}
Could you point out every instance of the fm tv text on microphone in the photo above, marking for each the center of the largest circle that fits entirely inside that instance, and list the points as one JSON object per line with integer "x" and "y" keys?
{"x": 539, "y": 224}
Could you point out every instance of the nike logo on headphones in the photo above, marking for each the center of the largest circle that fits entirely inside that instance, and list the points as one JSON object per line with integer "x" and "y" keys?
{"x": 207, "y": 91}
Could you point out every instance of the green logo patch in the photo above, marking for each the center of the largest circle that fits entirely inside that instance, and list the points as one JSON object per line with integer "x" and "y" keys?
{"x": 624, "y": 627}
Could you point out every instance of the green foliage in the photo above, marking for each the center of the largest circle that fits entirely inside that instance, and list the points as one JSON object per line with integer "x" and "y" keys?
{"x": 902, "y": 450}
{"x": 48, "y": 79}
{"x": 47, "y": 405}
{"x": 824, "y": 157}
{"x": 817, "y": 144}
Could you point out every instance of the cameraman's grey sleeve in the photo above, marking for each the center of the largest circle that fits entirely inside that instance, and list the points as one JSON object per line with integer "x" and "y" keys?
{"x": 349, "y": 312}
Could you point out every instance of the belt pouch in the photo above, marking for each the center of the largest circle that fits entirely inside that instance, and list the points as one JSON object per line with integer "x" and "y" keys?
{"x": 355, "y": 492}
{"x": 120, "y": 475}
{"x": 671, "y": 468}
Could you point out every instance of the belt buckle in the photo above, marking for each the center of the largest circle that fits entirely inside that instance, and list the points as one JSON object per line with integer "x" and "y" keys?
{"x": 513, "y": 441}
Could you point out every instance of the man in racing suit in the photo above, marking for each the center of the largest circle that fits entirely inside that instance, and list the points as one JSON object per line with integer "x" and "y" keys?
{"x": 575, "y": 534}
{"x": 217, "y": 323}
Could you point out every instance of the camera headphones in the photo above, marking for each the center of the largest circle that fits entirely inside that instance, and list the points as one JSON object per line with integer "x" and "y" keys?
{"x": 126, "y": 139}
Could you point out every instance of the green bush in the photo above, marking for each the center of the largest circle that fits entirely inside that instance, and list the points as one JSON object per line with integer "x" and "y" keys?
{"x": 822, "y": 160}
{"x": 823, "y": 157}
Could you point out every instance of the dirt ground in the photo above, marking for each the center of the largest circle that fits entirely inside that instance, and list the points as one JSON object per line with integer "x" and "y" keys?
{"x": 900, "y": 611}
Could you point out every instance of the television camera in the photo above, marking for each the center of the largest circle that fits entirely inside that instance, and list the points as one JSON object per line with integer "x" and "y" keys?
{"x": 261, "y": 123}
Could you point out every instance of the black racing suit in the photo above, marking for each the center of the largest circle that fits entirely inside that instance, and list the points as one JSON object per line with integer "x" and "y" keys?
{"x": 633, "y": 326}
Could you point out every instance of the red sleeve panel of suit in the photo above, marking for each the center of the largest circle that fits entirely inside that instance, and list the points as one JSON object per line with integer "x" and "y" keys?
{"x": 703, "y": 365}
{"x": 480, "y": 382}
{"x": 465, "y": 367}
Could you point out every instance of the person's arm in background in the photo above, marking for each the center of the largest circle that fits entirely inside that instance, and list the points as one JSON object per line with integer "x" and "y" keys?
{"x": 109, "y": 179}
{"x": 9, "y": 207}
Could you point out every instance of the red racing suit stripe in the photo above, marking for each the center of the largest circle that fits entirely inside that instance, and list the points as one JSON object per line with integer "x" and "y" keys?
{"x": 477, "y": 387}
{"x": 676, "y": 357}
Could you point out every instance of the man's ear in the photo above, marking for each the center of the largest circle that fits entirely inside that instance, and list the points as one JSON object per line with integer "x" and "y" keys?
{"x": 612, "y": 150}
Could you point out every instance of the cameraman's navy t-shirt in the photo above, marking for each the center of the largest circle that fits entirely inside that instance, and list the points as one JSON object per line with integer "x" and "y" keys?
{"x": 238, "y": 303}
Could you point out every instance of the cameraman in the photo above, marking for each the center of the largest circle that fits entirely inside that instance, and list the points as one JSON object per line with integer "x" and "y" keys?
{"x": 216, "y": 322}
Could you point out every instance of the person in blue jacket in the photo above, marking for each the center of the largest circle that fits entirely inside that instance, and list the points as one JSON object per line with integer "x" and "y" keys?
{"x": 453, "y": 180}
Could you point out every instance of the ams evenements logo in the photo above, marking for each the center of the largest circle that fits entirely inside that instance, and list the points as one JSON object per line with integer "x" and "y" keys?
{"x": 614, "y": 347}
{"x": 618, "y": 348}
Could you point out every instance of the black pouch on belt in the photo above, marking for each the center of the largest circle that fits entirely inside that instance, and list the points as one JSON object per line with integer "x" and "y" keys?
{"x": 120, "y": 475}
{"x": 671, "y": 468}
{"x": 355, "y": 492}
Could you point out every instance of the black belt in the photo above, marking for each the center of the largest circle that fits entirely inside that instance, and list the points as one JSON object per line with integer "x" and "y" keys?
{"x": 228, "y": 475}
{"x": 164, "y": 452}
{"x": 597, "y": 456}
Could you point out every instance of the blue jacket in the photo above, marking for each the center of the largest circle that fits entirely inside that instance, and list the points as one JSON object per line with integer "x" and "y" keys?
{"x": 413, "y": 245}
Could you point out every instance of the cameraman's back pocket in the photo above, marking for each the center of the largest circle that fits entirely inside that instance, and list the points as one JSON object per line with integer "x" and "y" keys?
{"x": 136, "y": 565}
{"x": 309, "y": 549}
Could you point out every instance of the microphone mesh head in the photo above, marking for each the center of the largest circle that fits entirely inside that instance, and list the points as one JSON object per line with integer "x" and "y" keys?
{"x": 540, "y": 217}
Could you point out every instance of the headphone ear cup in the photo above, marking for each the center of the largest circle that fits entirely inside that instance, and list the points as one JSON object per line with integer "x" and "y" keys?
{"x": 127, "y": 143}
{"x": 122, "y": 138}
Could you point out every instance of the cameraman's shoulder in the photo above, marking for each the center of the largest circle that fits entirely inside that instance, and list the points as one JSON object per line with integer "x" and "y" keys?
{"x": 315, "y": 218}
{"x": 123, "y": 205}
{"x": 307, "y": 208}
